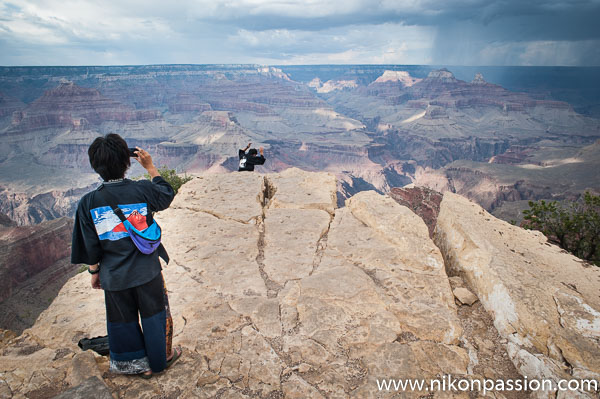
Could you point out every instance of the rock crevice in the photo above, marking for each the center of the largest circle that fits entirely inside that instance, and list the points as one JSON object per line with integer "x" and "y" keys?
{"x": 526, "y": 286}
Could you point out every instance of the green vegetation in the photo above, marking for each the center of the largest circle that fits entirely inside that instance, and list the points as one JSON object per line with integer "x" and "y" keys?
{"x": 170, "y": 175}
{"x": 82, "y": 268}
{"x": 575, "y": 227}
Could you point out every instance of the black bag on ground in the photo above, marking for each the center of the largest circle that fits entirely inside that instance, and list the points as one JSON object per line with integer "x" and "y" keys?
{"x": 97, "y": 344}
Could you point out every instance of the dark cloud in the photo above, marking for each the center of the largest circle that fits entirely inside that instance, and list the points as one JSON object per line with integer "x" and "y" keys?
{"x": 535, "y": 20}
{"x": 468, "y": 32}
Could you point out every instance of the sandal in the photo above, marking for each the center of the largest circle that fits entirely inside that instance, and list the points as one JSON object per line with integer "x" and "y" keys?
{"x": 176, "y": 355}
{"x": 145, "y": 376}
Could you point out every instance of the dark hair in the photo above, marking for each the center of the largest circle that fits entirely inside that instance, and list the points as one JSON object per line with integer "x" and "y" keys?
{"x": 109, "y": 156}
{"x": 252, "y": 151}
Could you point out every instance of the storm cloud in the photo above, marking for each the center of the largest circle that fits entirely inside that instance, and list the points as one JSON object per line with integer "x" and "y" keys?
{"x": 452, "y": 32}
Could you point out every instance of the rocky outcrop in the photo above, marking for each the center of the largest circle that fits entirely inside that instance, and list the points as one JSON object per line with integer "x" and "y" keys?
{"x": 543, "y": 301}
{"x": 402, "y": 77}
{"x": 442, "y": 75}
{"x": 390, "y": 86}
{"x": 332, "y": 85}
{"x": 274, "y": 293}
{"x": 443, "y": 89}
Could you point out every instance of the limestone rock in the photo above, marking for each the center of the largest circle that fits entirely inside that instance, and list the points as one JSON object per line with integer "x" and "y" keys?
{"x": 543, "y": 300}
{"x": 296, "y": 388}
{"x": 93, "y": 387}
{"x": 275, "y": 293}
{"x": 464, "y": 296}
{"x": 238, "y": 197}
{"x": 392, "y": 245}
{"x": 294, "y": 188}
{"x": 298, "y": 231}
{"x": 478, "y": 79}
{"x": 84, "y": 367}
{"x": 456, "y": 282}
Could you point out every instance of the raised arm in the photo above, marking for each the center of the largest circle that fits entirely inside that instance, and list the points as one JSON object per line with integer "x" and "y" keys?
{"x": 162, "y": 192}
{"x": 258, "y": 160}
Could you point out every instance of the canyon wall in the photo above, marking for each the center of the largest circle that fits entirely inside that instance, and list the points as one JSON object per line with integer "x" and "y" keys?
{"x": 34, "y": 265}
{"x": 372, "y": 130}
{"x": 26, "y": 251}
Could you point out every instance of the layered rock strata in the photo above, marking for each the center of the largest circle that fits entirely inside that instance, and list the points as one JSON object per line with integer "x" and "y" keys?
{"x": 8, "y": 105}
{"x": 27, "y": 210}
{"x": 27, "y": 251}
{"x": 195, "y": 118}
{"x": 423, "y": 201}
{"x": 69, "y": 105}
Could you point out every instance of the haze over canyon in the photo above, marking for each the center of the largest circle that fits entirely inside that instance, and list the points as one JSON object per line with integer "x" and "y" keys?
{"x": 374, "y": 127}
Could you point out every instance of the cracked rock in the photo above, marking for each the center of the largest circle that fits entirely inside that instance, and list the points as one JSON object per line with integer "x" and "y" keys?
{"x": 527, "y": 286}
{"x": 281, "y": 295}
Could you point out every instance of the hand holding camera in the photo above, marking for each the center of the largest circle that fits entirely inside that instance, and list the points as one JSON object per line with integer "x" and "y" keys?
{"x": 145, "y": 159}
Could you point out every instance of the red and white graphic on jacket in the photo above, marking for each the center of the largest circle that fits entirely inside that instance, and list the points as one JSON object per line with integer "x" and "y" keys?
{"x": 136, "y": 219}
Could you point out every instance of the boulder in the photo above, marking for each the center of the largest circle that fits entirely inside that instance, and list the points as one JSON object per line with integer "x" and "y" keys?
{"x": 464, "y": 296}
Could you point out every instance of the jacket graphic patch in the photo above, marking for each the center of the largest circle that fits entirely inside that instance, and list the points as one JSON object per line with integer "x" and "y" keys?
{"x": 109, "y": 226}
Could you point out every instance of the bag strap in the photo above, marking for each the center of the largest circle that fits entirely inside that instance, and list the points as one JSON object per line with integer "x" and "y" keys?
{"x": 112, "y": 202}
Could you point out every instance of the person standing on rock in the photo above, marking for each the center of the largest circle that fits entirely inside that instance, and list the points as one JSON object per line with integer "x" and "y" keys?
{"x": 248, "y": 160}
{"x": 132, "y": 281}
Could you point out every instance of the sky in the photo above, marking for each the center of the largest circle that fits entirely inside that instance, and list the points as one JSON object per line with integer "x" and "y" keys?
{"x": 295, "y": 32}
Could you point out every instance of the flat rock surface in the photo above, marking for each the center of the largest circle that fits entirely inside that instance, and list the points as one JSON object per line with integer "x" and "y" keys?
{"x": 93, "y": 387}
{"x": 273, "y": 297}
{"x": 296, "y": 189}
{"x": 273, "y": 292}
{"x": 543, "y": 300}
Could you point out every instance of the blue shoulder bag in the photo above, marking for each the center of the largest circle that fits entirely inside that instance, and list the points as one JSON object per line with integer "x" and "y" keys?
{"x": 148, "y": 240}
